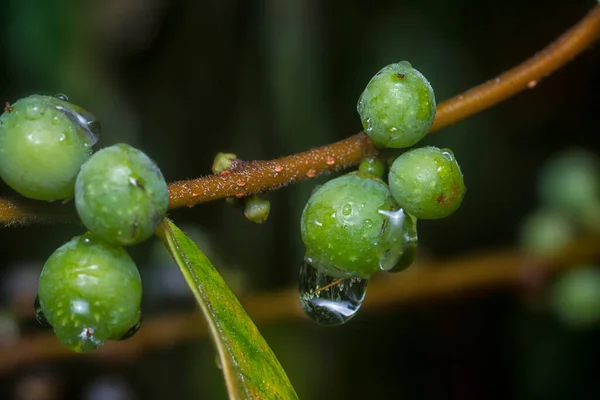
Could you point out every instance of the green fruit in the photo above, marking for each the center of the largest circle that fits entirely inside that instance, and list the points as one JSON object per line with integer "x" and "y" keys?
{"x": 89, "y": 292}
{"x": 43, "y": 143}
{"x": 571, "y": 183}
{"x": 257, "y": 209}
{"x": 397, "y": 107}
{"x": 373, "y": 166}
{"x": 576, "y": 297}
{"x": 346, "y": 227}
{"x": 546, "y": 232}
{"x": 427, "y": 182}
{"x": 121, "y": 195}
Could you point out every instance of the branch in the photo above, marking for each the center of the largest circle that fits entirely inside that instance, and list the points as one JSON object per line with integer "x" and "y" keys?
{"x": 260, "y": 176}
{"x": 424, "y": 281}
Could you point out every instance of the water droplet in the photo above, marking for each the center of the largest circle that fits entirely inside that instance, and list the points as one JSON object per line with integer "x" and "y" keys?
{"x": 218, "y": 362}
{"x": 133, "y": 330}
{"x": 39, "y": 314}
{"x": 61, "y": 96}
{"x": 347, "y": 209}
{"x": 398, "y": 241}
{"x": 369, "y": 125}
{"x": 367, "y": 224}
{"x": 448, "y": 154}
{"x": 329, "y": 300}
{"x": 85, "y": 119}
{"x": 393, "y": 129}
{"x": 34, "y": 112}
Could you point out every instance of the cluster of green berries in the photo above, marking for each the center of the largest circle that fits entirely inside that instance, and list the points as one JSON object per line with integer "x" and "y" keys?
{"x": 569, "y": 193}
{"x": 359, "y": 223}
{"x": 90, "y": 289}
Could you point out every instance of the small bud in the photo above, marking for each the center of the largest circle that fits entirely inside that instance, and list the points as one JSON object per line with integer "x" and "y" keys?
{"x": 222, "y": 162}
{"x": 257, "y": 209}
{"x": 373, "y": 166}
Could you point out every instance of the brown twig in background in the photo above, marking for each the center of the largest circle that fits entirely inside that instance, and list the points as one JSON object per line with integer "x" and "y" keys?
{"x": 261, "y": 176}
{"x": 424, "y": 281}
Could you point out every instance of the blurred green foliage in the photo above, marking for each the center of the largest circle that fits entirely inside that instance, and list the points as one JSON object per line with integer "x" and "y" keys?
{"x": 186, "y": 79}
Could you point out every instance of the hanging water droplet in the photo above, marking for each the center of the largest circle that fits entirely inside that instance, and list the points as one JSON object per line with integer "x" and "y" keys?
{"x": 328, "y": 300}
{"x": 398, "y": 241}
{"x": 218, "y": 362}
{"x": 39, "y": 314}
{"x": 61, "y": 96}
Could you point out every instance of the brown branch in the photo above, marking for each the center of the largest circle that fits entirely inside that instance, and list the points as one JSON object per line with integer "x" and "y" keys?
{"x": 524, "y": 76}
{"x": 253, "y": 177}
{"x": 260, "y": 176}
{"x": 425, "y": 281}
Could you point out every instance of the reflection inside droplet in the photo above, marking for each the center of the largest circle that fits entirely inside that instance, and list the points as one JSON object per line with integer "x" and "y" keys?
{"x": 329, "y": 300}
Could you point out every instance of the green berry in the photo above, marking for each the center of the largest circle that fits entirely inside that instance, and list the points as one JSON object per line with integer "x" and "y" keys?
{"x": 121, "y": 195}
{"x": 546, "y": 232}
{"x": 90, "y": 292}
{"x": 397, "y": 107}
{"x": 576, "y": 297}
{"x": 345, "y": 226}
{"x": 373, "y": 166}
{"x": 571, "y": 183}
{"x": 257, "y": 209}
{"x": 43, "y": 143}
{"x": 427, "y": 182}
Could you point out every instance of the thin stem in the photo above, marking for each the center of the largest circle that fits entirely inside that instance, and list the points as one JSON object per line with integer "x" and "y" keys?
{"x": 425, "y": 281}
{"x": 254, "y": 177}
{"x": 524, "y": 76}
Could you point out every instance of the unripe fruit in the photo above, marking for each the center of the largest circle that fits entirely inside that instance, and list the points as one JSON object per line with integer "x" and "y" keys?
{"x": 344, "y": 225}
{"x": 90, "y": 292}
{"x": 43, "y": 143}
{"x": 427, "y": 182}
{"x": 397, "y": 107}
{"x": 121, "y": 195}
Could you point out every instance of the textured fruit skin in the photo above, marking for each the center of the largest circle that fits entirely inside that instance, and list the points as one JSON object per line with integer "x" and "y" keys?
{"x": 341, "y": 225}
{"x": 90, "y": 291}
{"x": 427, "y": 182}
{"x": 42, "y": 147}
{"x": 121, "y": 195}
{"x": 397, "y": 107}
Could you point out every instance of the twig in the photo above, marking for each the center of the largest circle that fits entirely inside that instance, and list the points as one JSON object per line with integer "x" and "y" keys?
{"x": 260, "y": 176}
{"x": 425, "y": 281}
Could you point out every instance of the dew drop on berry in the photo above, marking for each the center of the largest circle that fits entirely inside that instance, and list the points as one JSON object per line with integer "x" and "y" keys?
{"x": 398, "y": 241}
{"x": 329, "y": 300}
{"x": 39, "y": 314}
{"x": 61, "y": 96}
{"x": 133, "y": 330}
{"x": 34, "y": 112}
{"x": 85, "y": 119}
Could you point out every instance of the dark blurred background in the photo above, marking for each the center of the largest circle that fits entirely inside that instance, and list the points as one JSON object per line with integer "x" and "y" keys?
{"x": 185, "y": 79}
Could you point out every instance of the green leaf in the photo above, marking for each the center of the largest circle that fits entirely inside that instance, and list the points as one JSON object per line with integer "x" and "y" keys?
{"x": 250, "y": 368}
